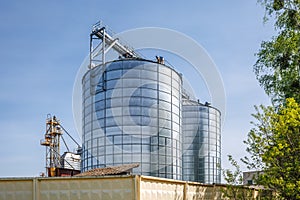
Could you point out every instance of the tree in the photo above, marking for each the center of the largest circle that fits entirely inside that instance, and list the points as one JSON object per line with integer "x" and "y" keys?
{"x": 234, "y": 180}
{"x": 274, "y": 147}
{"x": 274, "y": 142}
{"x": 277, "y": 67}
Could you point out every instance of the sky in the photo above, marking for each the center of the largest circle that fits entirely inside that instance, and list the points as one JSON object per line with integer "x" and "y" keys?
{"x": 43, "y": 43}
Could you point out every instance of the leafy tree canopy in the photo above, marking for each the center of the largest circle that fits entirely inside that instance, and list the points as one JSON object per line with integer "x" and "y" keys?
{"x": 274, "y": 142}
{"x": 277, "y": 67}
{"x": 274, "y": 147}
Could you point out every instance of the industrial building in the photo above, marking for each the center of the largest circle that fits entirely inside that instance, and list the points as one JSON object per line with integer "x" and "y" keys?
{"x": 135, "y": 111}
{"x": 144, "y": 137}
{"x": 67, "y": 164}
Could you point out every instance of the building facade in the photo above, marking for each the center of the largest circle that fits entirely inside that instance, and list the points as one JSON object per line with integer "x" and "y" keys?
{"x": 134, "y": 112}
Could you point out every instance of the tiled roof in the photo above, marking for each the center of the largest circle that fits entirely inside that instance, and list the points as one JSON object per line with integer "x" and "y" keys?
{"x": 109, "y": 170}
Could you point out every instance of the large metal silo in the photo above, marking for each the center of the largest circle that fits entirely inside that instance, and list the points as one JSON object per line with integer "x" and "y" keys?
{"x": 132, "y": 114}
{"x": 201, "y": 127}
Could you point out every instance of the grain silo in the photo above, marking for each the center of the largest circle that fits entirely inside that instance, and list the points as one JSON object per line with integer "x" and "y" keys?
{"x": 201, "y": 160}
{"x": 132, "y": 115}
{"x": 134, "y": 111}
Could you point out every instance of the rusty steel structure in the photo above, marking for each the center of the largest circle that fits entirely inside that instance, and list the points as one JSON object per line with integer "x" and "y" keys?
{"x": 52, "y": 143}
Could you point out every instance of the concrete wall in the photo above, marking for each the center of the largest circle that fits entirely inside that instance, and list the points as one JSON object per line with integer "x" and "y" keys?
{"x": 116, "y": 187}
{"x": 68, "y": 188}
{"x": 21, "y": 189}
{"x": 158, "y": 188}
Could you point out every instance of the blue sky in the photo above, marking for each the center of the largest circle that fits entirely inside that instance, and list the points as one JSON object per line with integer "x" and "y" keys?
{"x": 43, "y": 44}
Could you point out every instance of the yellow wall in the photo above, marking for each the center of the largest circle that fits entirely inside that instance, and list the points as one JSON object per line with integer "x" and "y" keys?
{"x": 116, "y": 187}
{"x": 67, "y": 188}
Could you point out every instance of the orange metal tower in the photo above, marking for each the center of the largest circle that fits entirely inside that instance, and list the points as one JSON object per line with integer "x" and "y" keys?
{"x": 52, "y": 143}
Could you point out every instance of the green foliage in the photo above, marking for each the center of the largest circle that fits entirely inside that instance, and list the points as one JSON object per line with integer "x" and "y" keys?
{"x": 286, "y": 13}
{"x": 278, "y": 4}
{"x": 277, "y": 67}
{"x": 234, "y": 180}
{"x": 274, "y": 142}
{"x": 233, "y": 177}
{"x": 259, "y": 137}
{"x": 274, "y": 146}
